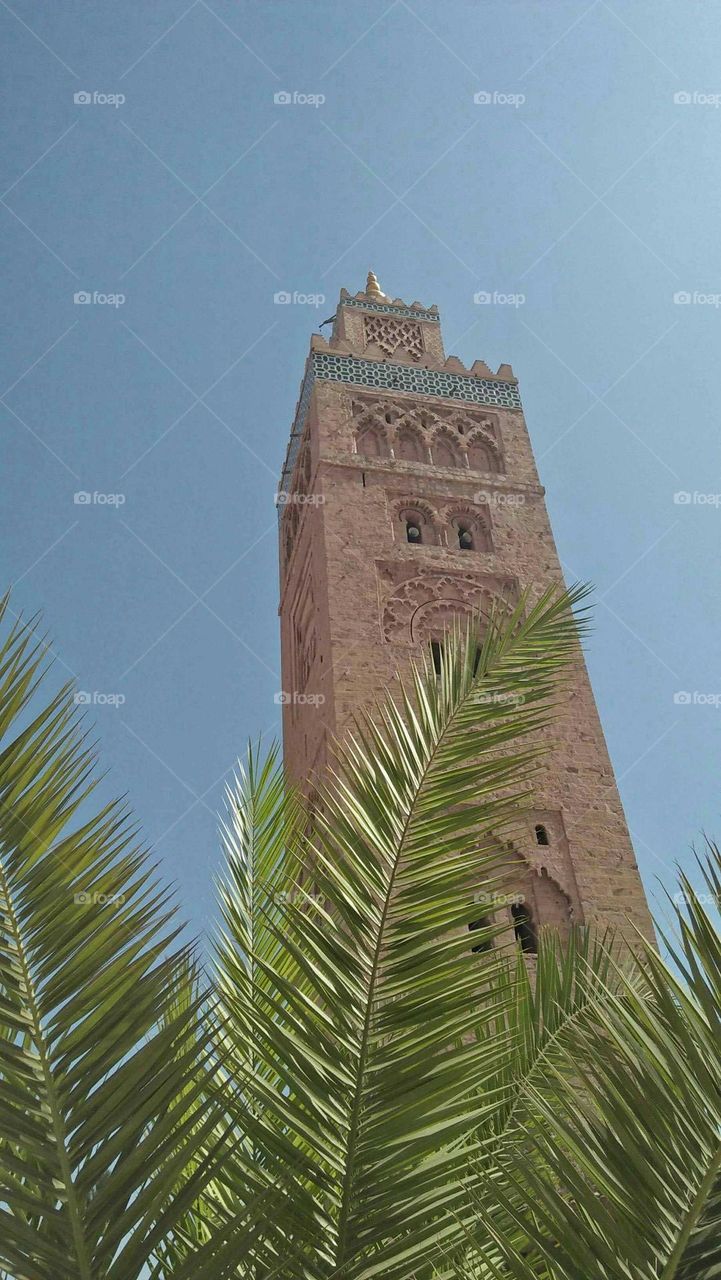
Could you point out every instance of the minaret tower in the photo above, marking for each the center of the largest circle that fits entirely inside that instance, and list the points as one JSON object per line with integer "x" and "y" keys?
{"x": 410, "y": 495}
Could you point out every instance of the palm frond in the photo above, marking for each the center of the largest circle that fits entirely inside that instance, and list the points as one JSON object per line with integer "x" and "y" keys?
{"x": 96, "y": 1124}
{"x": 371, "y": 1026}
{"x": 624, "y": 1182}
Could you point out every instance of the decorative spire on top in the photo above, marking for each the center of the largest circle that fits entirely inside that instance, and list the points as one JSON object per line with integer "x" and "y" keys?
{"x": 373, "y": 289}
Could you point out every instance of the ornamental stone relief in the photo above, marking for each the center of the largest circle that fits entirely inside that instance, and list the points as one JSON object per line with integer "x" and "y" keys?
{"x": 389, "y": 334}
{"x": 418, "y": 607}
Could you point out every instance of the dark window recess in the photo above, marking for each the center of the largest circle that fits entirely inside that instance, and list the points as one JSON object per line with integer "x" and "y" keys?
{"x": 476, "y": 660}
{"x": 413, "y": 531}
{"x": 523, "y": 927}
{"x": 465, "y": 539}
{"x": 542, "y": 835}
{"x": 437, "y": 656}
{"x": 483, "y": 923}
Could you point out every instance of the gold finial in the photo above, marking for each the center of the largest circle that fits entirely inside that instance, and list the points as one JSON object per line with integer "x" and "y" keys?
{"x": 373, "y": 289}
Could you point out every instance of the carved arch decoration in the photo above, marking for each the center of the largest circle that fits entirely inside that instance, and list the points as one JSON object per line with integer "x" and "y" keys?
{"x": 409, "y": 445}
{"x": 392, "y": 335}
{"x": 419, "y": 604}
{"x": 411, "y": 427}
{"x": 483, "y": 452}
{"x": 445, "y": 449}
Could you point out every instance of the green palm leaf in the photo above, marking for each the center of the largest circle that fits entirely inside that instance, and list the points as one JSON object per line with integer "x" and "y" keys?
{"x": 624, "y": 1172}
{"x": 96, "y": 1121}
{"x": 372, "y": 1023}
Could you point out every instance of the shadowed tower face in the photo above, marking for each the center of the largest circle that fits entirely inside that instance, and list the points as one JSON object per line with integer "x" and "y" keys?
{"x": 409, "y": 496}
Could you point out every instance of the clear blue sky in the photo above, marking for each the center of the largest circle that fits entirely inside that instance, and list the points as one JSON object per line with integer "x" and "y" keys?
{"x": 199, "y": 197}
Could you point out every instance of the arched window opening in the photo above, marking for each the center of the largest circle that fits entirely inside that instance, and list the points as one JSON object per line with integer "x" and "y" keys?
{"x": 465, "y": 538}
{"x": 476, "y": 659}
{"x": 483, "y": 923}
{"x": 414, "y": 532}
{"x": 437, "y": 656}
{"x": 541, "y": 835}
{"x": 523, "y": 927}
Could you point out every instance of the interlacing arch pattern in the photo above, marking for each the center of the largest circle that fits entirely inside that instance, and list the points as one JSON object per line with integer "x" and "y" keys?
{"x": 390, "y": 334}
{"x": 436, "y": 435}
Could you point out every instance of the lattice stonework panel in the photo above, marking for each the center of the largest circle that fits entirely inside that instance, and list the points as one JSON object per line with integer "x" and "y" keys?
{"x": 389, "y": 334}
